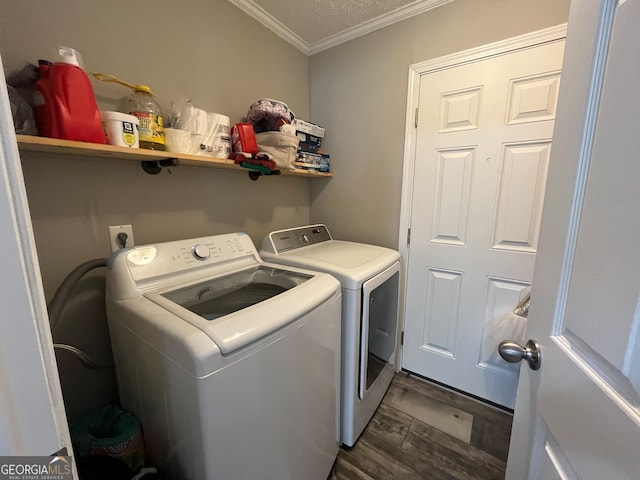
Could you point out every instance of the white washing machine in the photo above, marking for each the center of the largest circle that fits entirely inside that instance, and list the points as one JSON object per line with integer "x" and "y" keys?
{"x": 369, "y": 276}
{"x": 232, "y": 364}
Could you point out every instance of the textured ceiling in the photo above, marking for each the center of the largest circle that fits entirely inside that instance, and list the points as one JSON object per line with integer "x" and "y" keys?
{"x": 315, "y": 25}
{"x": 314, "y": 20}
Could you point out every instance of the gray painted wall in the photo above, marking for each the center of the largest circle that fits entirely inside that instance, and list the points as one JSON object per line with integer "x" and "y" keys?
{"x": 207, "y": 50}
{"x": 223, "y": 60}
{"x": 359, "y": 93}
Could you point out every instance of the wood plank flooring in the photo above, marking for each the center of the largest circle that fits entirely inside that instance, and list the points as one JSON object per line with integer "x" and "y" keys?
{"x": 423, "y": 431}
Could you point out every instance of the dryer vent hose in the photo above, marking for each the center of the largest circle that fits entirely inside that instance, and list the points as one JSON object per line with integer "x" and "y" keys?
{"x": 59, "y": 300}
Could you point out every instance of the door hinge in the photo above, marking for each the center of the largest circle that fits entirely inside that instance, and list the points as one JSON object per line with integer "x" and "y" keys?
{"x": 63, "y": 452}
{"x": 402, "y": 338}
{"x": 408, "y": 236}
{"x": 416, "y": 118}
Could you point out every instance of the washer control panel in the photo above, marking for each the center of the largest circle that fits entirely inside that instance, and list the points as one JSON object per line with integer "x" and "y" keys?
{"x": 200, "y": 252}
{"x": 284, "y": 240}
{"x": 173, "y": 257}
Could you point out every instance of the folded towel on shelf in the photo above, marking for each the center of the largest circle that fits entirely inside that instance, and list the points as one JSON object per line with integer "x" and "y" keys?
{"x": 260, "y": 161}
{"x": 257, "y": 168}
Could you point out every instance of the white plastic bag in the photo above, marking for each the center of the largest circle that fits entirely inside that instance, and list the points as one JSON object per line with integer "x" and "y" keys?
{"x": 508, "y": 326}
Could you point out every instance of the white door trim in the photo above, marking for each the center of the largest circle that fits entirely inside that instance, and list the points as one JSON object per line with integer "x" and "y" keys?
{"x": 416, "y": 71}
{"x": 32, "y": 413}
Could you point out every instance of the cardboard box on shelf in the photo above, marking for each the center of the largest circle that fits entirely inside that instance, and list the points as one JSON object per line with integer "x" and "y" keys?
{"x": 313, "y": 161}
{"x": 308, "y": 127}
{"x": 310, "y": 135}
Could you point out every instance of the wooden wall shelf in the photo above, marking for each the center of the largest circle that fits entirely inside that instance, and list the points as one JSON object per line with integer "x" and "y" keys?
{"x": 28, "y": 143}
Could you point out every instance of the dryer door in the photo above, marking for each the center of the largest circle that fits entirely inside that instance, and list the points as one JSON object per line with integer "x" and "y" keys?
{"x": 379, "y": 325}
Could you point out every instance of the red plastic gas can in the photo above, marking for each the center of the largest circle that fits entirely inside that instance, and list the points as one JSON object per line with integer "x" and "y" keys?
{"x": 64, "y": 104}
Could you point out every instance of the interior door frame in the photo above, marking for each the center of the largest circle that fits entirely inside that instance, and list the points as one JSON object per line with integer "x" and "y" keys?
{"x": 416, "y": 71}
{"x": 32, "y": 413}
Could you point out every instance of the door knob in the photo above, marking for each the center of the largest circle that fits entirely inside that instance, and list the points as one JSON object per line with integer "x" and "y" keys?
{"x": 513, "y": 353}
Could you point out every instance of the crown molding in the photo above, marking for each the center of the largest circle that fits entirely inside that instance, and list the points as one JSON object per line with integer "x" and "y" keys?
{"x": 398, "y": 15}
{"x": 272, "y": 23}
{"x": 277, "y": 27}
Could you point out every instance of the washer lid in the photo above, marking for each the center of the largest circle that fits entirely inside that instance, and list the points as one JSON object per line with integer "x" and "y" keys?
{"x": 240, "y": 308}
{"x": 350, "y": 262}
{"x": 216, "y": 297}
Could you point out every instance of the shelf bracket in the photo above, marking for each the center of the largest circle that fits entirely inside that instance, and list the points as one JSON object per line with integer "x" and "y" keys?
{"x": 154, "y": 167}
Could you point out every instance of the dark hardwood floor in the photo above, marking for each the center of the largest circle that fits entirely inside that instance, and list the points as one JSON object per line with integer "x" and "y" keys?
{"x": 423, "y": 431}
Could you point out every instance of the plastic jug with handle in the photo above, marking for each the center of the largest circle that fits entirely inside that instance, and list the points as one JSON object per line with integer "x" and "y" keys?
{"x": 64, "y": 103}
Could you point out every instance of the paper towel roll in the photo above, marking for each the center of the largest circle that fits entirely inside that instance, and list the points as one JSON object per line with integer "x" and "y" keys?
{"x": 219, "y": 139}
{"x": 193, "y": 120}
{"x": 178, "y": 141}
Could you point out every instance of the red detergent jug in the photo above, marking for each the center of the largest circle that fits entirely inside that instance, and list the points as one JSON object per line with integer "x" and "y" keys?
{"x": 64, "y": 104}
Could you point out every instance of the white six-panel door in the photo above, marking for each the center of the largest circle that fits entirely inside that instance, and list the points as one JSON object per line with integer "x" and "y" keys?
{"x": 578, "y": 417}
{"x": 482, "y": 150}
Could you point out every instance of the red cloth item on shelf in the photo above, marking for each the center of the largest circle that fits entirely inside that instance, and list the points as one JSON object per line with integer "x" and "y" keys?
{"x": 261, "y": 158}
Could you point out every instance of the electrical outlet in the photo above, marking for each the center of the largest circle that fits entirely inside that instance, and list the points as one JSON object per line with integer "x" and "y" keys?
{"x": 116, "y": 230}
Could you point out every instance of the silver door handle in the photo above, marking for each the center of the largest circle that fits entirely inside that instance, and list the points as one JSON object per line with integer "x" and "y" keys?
{"x": 513, "y": 353}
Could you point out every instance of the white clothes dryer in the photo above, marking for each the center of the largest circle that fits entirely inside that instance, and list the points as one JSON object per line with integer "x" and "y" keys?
{"x": 369, "y": 276}
{"x": 232, "y": 364}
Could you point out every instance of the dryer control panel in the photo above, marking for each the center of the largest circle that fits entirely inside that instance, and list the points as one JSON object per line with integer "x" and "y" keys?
{"x": 284, "y": 240}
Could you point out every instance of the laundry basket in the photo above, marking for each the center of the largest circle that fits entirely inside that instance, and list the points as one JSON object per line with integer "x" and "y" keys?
{"x": 282, "y": 147}
{"x": 109, "y": 431}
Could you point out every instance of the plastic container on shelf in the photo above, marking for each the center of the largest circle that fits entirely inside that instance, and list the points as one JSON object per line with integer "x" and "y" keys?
{"x": 64, "y": 103}
{"x": 143, "y": 105}
{"x": 121, "y": 129}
